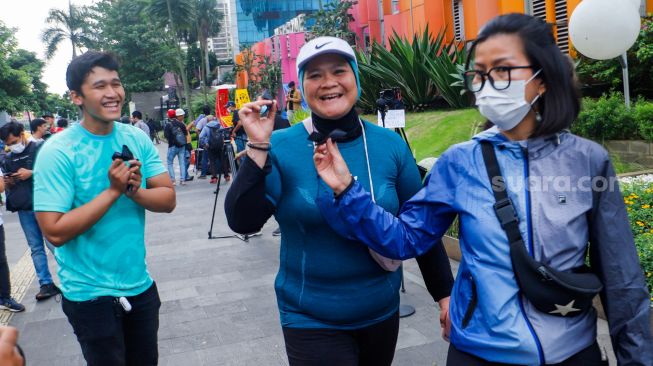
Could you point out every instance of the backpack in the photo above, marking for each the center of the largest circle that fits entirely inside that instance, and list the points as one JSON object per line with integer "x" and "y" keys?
{"x": 216, "y": 141}
{"x": 179, "y": 137}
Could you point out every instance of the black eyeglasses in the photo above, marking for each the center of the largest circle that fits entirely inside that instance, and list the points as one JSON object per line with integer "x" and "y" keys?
{"x": 500, "y": 77}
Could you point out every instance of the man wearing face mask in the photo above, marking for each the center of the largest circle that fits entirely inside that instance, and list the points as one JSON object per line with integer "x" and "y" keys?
{"x": 17, "y": 170}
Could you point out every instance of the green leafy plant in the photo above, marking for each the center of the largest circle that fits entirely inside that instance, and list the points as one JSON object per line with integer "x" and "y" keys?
{"x": 644, "y": 119}
{"x": 300, "y": 115}
{"x": 424, "y": 68}
{"x": 638, "y": 197}
{"x": 606, "y": 118}
{"x": 333, "y": 20}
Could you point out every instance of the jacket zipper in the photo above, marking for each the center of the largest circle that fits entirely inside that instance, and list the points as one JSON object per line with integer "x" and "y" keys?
{"x": 531, "y": 250}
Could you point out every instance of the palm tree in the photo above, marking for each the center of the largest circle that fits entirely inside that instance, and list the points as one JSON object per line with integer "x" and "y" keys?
{"x": 71, "y": 25}
{"x": 177, "y": 18}
{"x": 208, "y": 20}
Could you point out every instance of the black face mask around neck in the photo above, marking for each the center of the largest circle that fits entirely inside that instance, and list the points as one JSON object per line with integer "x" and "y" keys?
{"x": 346, "y": 128}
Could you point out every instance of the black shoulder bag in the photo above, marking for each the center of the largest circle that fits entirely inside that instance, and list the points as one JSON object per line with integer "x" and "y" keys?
{"x": 560, "y": 293}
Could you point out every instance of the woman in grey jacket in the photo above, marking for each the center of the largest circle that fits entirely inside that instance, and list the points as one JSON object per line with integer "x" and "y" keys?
{"x": 565, "y": 201}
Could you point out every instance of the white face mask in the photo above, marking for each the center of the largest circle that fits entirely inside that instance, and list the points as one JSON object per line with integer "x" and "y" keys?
{"x": 505, "y": 108}
{"x": 17, "y": 148}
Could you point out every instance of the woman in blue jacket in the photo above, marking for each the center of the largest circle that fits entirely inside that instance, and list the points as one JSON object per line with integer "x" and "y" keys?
{"x": 564, "y": 194}
{"x": 338, "y": 305}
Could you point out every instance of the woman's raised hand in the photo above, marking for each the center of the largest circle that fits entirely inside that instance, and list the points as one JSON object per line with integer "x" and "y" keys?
{"x": 331, "y": 166}
{"x": 258, "y": 129}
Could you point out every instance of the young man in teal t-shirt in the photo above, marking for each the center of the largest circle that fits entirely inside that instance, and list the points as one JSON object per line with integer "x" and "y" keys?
{"x": 91, "y": 206}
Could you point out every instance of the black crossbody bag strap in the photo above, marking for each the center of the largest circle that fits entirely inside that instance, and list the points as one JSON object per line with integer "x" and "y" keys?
{"x": 503, "y": 206}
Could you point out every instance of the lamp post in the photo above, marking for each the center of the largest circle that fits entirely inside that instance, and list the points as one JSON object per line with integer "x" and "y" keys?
{"x": 605, "y": 29}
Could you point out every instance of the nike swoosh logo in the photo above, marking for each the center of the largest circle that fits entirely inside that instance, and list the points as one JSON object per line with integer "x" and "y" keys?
{"x": 317, "y": 47}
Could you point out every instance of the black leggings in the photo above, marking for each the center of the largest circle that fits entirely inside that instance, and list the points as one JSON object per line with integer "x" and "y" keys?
{"x": 590, "y": 356}
{"x": 370, "y": 346}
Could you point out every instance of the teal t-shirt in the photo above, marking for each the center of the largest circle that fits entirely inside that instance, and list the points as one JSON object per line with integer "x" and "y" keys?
{"x": 70, "y": 171}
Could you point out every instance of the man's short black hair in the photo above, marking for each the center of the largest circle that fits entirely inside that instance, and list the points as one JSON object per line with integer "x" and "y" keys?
{"x": 291, "y": 84}
{"x": 62, "y": 122}
{"x": 11, "y": 128}
{"x": 206, "y": 110}
{"x": 81, "y": 66}
{"x": 137, "y": 114}
{"x": 47, "y": 114}
{"x": 36, "y": 123}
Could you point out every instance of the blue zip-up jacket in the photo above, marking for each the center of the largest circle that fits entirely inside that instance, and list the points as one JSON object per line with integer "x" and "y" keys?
{"x": 549, "y": 181}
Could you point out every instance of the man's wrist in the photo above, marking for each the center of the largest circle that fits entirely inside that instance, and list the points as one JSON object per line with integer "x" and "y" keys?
{"x": 113, "y": 193}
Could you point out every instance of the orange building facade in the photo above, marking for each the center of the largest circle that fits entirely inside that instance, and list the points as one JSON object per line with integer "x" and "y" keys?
{"x": 377, "y": 20}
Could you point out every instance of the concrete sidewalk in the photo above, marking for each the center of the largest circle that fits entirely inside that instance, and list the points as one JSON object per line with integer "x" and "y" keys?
{"x": 219, "y": 306}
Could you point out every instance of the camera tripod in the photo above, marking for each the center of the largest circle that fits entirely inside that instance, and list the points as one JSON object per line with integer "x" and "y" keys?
{"x": 227, "y": 153}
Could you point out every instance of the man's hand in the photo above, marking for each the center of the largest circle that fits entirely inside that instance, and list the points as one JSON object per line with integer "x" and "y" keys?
{"x": 22, "y": 174}
{"x": 9, "y": 180}
{"x": 445, "y": 321}
{"x": 135, "y": 177}
{"x": 119, "y": 175}
{"x": 9, "y": 354}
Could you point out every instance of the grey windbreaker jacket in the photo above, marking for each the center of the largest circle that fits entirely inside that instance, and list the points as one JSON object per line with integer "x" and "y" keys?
{"x": 566, "y": 195}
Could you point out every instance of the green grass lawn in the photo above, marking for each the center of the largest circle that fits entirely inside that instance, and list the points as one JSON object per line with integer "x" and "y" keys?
{"x": 431, "y": 133}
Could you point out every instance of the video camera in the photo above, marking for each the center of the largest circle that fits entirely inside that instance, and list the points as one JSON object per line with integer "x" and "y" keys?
{"x": 389, "y": 99}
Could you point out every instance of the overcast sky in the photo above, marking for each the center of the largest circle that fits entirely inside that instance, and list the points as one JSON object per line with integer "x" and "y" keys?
{"x": 28, "y": 16}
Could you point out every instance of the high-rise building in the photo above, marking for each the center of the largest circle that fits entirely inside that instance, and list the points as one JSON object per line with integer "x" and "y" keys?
{"x": 225, "y": 44}
{"x": 257, "y": 19}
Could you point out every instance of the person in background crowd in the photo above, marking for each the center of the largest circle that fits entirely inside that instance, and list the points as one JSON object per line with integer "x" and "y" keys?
{"x": 62, "y": 124}
{"x": 6, "y": 301}
{"x": 18, "y": 170}
{"x": 520, "y": 252}
{"x": 39, "y": 128}
{"x": 199, "y": 126}
{"x": 238, "y": 133}
{"x": 49, "y": 118}
{"x": 293, "y": 100}
{"x": 175, "y": 133}
{"x": 91, "y": 205}
{"x": 338, "y": 301}
{"x": 137, "y": 120}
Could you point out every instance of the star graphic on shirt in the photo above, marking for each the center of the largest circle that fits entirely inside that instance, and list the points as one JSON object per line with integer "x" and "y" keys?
{"x": 564, "y": 310}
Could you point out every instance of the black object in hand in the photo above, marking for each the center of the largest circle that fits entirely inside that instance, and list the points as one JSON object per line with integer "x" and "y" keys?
{"x": 265, "y": 110}
{"x": 124, "y": 155}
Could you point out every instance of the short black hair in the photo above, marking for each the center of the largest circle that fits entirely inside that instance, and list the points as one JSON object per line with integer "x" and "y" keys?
{"x": 137, "y": 114}
{"x": 62, "y": 122}
{"x": 560, "y": 103}
{"x": 206, "y": 110}
{"x": 81, "y": 66}
{"x": 11, "y": 128}
{"x": 291, "y": 84}
{"x": 124, "y": 119}
{"x": 47, "y": 114}
{"x": 36, "y": 123}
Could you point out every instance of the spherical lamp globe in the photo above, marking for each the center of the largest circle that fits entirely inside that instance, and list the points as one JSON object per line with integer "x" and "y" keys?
{"x": 604, "y": 29}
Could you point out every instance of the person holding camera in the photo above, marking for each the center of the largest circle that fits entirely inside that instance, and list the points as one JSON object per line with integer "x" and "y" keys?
{"x": 523, "y": 294}
{"x": 337, "y": 300}
{"x": 92, "y": 185}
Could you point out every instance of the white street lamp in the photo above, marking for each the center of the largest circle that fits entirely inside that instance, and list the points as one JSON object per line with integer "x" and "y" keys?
{"x": 605, "y": 29}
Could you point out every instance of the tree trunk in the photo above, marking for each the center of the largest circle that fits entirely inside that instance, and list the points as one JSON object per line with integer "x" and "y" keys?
{"x": 180, "y": 62}
{"x": 204, "y": 68}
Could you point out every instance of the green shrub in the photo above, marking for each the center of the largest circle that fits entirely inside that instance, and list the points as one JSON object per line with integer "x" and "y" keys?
{"x": 644, "y": 245}
{"x": 300, "y": 115}
{"x": 644, "y": 119}
{"x": 639, "y": 204}
{"x": 606, "y": 119}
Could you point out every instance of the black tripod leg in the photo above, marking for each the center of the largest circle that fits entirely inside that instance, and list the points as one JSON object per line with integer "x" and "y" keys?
{"x": 215, "y": 204}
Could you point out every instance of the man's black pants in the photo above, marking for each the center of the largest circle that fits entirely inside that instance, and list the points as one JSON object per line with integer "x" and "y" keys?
{"x": 110, "y": 336}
